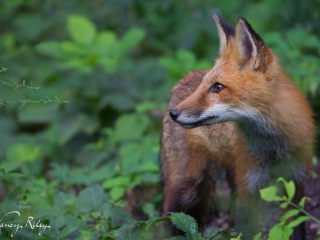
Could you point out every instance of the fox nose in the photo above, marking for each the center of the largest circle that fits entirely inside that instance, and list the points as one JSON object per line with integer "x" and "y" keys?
{"x": 174, "y": 114}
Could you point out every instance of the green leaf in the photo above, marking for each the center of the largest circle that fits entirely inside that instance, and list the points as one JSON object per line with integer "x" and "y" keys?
{"x": 153, "y": 221}
{"x": 182, "y": 221}
{"x": 73, "y": 49}
{"x": 298, "y": 221}
{"x": 86, "y": 235}
{"x": 186, "y": 56}
{"x": 146, "y": 106}
{"x": 302, "y": 202}
{"x": 51, "y": 48}
{"x": 104, "y": 41}
{"x": 280, "y": 231}
{"x": 150, "y": 167}
{"x": 116, "y": 181}
{"x": 72, "y": 224}
{"x": 270, "y": 194}
{"x": 118, "y": 216}
{"x": 23, "y": 152}
{"x": 14, "y": 175}
{"x": 92, "y": 197}
{"x": 289, "y": 214}
{"x": 130, "y": 39}
{"x": 130, "y": 126}
{"x": 56, "y": 222}
{"x": 290, "y": 188}
{"x": 284, "y": 205}
{"x": 81, "y": 29}
{"x": 186, "y": 223}
{"x": 117, "y": 192}
{"x": 212, "y": 232}
{"x": 127, "y": 231}
{"x": 110, "y": 66}
{"x": 238, "y": 237}
{"x": 38, "y": 114}
{"x": 9, "y": 166}
{"x": 257, "y": 237}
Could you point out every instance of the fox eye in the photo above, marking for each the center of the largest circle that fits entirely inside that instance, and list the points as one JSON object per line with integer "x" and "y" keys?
{"x": 217, "y": 87}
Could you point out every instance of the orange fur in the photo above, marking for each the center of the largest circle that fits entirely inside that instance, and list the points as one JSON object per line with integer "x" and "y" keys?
{"x": 252, "y": 79}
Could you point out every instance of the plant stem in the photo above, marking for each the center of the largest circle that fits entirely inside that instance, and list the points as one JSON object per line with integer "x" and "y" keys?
{"x": 304, "y": 211}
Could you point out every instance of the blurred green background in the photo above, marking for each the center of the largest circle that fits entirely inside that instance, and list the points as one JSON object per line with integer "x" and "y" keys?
{"x": 69, "y": 164}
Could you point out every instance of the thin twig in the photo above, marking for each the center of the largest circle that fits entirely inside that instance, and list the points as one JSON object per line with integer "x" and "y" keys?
{"x": 16, "y": 85}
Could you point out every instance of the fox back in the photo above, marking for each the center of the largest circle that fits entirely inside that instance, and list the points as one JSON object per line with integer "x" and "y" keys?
{"x": 245, "y": 115}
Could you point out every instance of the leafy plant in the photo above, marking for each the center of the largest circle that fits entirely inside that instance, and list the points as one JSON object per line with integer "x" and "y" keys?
{"x": 23, "y": 102}
{"x": 183, "y": 62}
{"x": 88, "y": 48}
{"x": 283, "y": 229}
{"x": 189, "y": 225}
{"x": 299, "y": 52}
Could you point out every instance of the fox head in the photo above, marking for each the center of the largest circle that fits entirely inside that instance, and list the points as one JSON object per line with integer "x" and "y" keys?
{"x": 239, "y": 85}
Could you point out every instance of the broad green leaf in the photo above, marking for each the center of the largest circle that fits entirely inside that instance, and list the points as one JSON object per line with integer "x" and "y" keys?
{"x": 238, "y": 237}
{"x": 185, "y": 56}
{"x": 9, "y": 166}
{"x": 203, "y": 64}
{"x": 117, "y": 101}
{"x": 290, "y": 213}
{"x": 104, "y": 41}
{"x": 137, "y": 180}
{"x": 170, "y": 64}
{"x": 23, "y": 152}
{"x": 290, "y": 188}
{"x": 72, "y": 224}
{"x": 149, "y": 177}
{"x": 80, "y": 123}
{"x": 149, "y": 209}
{"x": 130, "y": 39}
{"x": 126, "y": 231}
{"x": 93, "y": 197}
{"x": 73, "y": 49}
{"x": 146, "y": 106}
{"x": 298, "y": 221}
{"x": 280, "y": 231}
{"x": 14, "y": 175}
{"x": 56, "y": 222}
{"x": 270, "y": 194}
{"x": 257, "y": 237}
{"x": 284, "y": 205}
{"x": 302, "y": 202}
{"x": 38, "y": 113}
{"x": 124, "y": 126}
{"x": 212, "y": 232}
{"x": 153, "y": 221}
{"x": 116, "y": 181}
{"x": 118, "y": 216}
{"x": 81, "y": 29}
{"x": 117, "y": 192}
{"x": 131, "y": 163}
{"x": 150, "y": 167}
{"x": 51, "y": 48}
{"x": 183, "y": 221}
{"x": 110, "y": 65}
{"x": 86, "y": 235}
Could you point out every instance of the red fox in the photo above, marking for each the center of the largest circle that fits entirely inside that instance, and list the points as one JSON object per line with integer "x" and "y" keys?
{"x": 245, "y": 115}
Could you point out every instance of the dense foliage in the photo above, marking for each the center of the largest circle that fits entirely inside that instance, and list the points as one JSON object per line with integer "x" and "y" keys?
{"x": 85, "y": 91}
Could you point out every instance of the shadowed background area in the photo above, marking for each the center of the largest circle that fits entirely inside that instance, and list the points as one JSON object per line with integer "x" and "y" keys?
{"x": 84, "y": 85}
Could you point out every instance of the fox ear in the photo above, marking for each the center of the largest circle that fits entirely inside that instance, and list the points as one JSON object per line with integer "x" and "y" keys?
{"x": 248, "y": 42}
{"x": 225, "y": 32}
